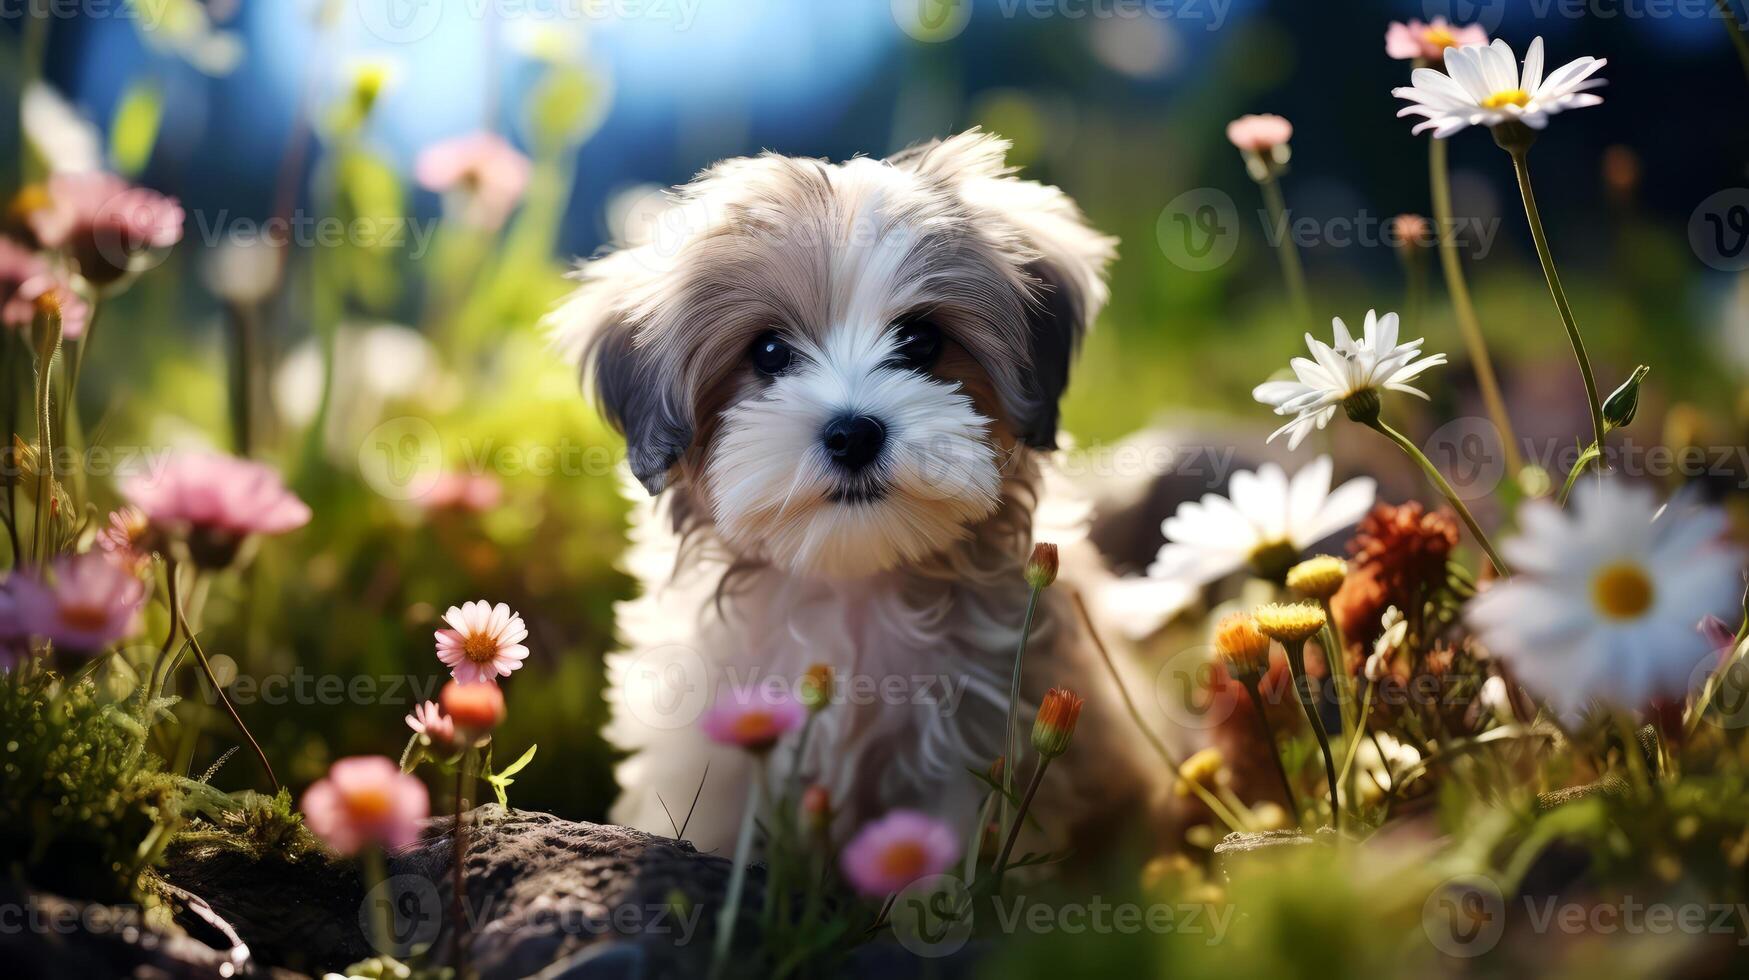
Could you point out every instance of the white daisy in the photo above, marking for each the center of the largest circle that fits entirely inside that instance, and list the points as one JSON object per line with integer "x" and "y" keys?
{"x": 1334, "y": 374}
{"x": 1605, "y": 596}
{"x": 1265, "y": 525}
{"x": 1482, "y": 86}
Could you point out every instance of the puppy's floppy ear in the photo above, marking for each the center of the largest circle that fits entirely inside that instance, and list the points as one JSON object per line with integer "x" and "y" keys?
{"x": 1064, "y": 259}
{"x": 596, "y": 329}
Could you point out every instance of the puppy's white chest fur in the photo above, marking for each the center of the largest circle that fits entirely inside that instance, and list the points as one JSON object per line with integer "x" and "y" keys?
{"x": 921, "y": 673}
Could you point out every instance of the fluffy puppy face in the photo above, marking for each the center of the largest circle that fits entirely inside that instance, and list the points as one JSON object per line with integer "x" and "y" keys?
{"x": 835, "y": 362}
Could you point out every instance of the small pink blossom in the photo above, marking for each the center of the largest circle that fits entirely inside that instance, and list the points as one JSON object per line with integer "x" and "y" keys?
{"x": 754, "y": 723}
{"x": 483, "y": 641}
{"x": 104, "y": 223}
{"x": 1259, "y": 134}
{"x": 21, "y": 307}
{"x": 365, "y": 800}
{"x": 896, "y": 850}
{"x": 215, "y": 501}
{"x": 468, "y": 492}
{"x": 86, "y": 602}
{"x": 128, "y": 538}
{"x": 489, "y": 172}
{"x": 1408, "y": 41}
{"x": 429, "y": 720}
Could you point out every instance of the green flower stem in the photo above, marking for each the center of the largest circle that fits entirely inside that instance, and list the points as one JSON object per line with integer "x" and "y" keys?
{"x": 458, "y": 924}
{"x": 1254, "y": 687}
{"x": 382, "y": 936}
{"x": 72, "y": 430}
{"x": 737, "y": 880}
{"x": 1296, "y": 661}
{"x": 1520, "y": 166}
{"x": 1222, "y": 812}
{"x": 206, "y": 667}
{"x": 1468, "y": 324}
{"x": 1291, "y": 269}
{"x": 45, "y": 457}
{"x": 1439, "y": 481}
{"x": 1354, "y": 746}
{"x": 1336, "y": 658}
{"x": 1011, "y": 746}
{"x": 1038, "y": 776}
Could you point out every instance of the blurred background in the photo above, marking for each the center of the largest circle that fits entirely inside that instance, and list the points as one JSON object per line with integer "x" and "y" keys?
{"x": 388, "y": 328}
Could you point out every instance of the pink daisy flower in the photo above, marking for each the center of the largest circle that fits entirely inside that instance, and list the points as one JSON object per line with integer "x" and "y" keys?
{"x": 429, "y": 720}
{"x": 483, "y": 641}
{"x": 1259, "y": 134}
{"x": 85, "y": 603}
{"x": 215, "y": 501}
{"x": 104, "y": 223}
{"x": 128, "y": 540}
{"x": 467, "y": 492}
{"x": 489, "y": 173}
{"x": 899, "y": 848}
{"x": 21, "y": 307}
{"x": 1408, "y": 41}
{"x": 739, "y": 721}
{"x": 365, "y": 800}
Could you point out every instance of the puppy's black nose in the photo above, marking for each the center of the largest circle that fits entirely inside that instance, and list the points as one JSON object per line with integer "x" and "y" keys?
{"x": 854, "y": 441}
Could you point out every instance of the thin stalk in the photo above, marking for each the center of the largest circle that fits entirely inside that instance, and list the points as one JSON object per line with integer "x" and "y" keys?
{"x": 1521, "y": 167}
{"x": 207, "y": 669}
{"x": 1444, "y": 230}
{"x": 1255, "y": 689}
{"x": 1291, "y": 269}
{"x": 8, "y": 372}
{"x": 737, "y": 879}
{"x": 1336, "y": 659}
{"x": 1222, "y": 812}
{"x": 45, "y": 456}
{"x": 1010, "y": 745}
{"x": 458, "y": 889}
{"x": 382, "y": 936}
{"x": 1038, "y": 776}
{"x": 1296, "y": 661}
{"x": 1445, "y": 489}
{"x": 1354, "y": 746}
{"x": 1734, "y": 27}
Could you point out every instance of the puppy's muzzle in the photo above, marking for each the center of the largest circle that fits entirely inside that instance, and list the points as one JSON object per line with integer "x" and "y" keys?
{"x": 854, "y": 441}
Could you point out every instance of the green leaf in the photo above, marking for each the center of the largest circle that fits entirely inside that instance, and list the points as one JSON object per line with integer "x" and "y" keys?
{"x": 500, "y": 781}
{"x": 133, "y": 132}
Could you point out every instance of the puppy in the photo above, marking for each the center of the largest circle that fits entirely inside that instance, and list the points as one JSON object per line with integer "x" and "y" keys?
{"x": 838, "y": 383}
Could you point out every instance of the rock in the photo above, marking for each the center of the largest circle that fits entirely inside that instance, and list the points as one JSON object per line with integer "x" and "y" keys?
{"x": 544, "y": 896}
{"x": 50, "y": 936}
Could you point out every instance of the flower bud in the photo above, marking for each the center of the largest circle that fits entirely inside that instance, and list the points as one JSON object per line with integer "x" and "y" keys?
{"x": 1242, "y": 646}
{"x": 1624, "y": 402}
{"x": 814, "y": 690}
{"x": 1041, "y": 568}
{"x": 1055, "y": 723}
{"x": 816, "y": 806}
{"x": 1289, "y": 622}
{"x": 475, "y": 709}
{"x": 1319, "y": 577}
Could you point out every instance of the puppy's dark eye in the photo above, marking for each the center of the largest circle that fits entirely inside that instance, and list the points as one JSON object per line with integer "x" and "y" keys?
{"x": 771, "y": 354}
{"x": 917, "y": 343}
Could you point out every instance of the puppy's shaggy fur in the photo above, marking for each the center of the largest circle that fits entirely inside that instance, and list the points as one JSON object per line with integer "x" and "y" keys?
{"x": 938, "y": 297}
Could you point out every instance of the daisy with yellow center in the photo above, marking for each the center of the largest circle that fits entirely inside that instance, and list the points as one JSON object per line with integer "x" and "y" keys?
{"x": 1606, "y": 594}
{"x": 1483, "y": 86}
{"x": 896, "y": 850}
{"x": 482, "y": 642}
